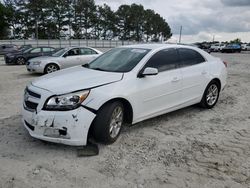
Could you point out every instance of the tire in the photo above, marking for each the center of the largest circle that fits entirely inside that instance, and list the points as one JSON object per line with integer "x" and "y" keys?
{"x": 211, "y": 95}
{"x": 105, "y": 121}
{"x": 20, "y": 61}
{"x": 51, "y": 68}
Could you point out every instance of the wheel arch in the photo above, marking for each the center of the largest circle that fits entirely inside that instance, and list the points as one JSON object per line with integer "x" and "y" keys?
{"x": 128, "y": 109}
{"x": 55, "y": 63}
{"x": 218, "y": 81}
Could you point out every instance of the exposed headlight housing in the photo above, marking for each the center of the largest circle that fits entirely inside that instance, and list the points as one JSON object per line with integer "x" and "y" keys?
{"x": 66, "y": 102}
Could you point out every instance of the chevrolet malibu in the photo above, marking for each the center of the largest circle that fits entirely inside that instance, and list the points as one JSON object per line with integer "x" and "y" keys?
{"x": 125, "y": 85}
{"x": 64, "y": 58}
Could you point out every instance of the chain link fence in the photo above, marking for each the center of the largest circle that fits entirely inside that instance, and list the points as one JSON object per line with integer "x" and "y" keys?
{"x": 73, "y": 42}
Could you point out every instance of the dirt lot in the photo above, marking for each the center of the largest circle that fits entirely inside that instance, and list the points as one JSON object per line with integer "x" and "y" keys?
{"x": 192, "y": 147}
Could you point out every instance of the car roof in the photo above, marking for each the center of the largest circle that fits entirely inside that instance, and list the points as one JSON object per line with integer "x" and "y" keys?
{"x": 159, "y": 46}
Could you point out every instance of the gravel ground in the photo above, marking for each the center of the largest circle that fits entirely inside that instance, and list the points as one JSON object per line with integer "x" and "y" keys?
{"x": 191, "y": 147}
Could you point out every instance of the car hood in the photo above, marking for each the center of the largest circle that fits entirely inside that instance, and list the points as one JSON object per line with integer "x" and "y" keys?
{"x": 40, "y": 58}
{"x": 74, "y": 79}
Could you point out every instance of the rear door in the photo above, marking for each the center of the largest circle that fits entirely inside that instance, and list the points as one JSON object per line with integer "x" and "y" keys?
{"x": 87, "y": 55}
{"x": 194, "y": 71}
{"x": 36, "y": 52}
{"x": 161, "y": 92}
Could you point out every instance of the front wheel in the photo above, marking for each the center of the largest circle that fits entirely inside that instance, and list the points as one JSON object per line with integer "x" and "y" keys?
{"x": 20, "y": 61}
{"x": 108, "y": 122}
{"x": 211, "y": 95}
{"x": 51, "y": 68}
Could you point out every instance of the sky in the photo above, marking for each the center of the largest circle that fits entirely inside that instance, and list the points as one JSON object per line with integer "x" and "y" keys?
{"x": 201, "y": 20}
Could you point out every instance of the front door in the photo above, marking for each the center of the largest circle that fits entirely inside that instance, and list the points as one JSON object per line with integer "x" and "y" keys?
{"x": 159, "y": 93}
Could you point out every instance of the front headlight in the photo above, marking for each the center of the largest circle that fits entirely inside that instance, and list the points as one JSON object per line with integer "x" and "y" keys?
{"x": 36, "y": 62}
{"x": 66, "y": 102}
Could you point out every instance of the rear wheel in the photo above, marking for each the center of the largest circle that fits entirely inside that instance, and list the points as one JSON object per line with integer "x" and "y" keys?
{"x": 108, "y": 122}
{"x": 20, "y": 61}
{"x": 51, "y": 68}
{"x": 211, "y": 95}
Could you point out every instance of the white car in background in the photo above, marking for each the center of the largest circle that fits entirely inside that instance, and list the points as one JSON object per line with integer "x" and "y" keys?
{"x": 64, "y": 58}
{"x": 217, "y": 47}
{"x": 245, "y": 46}
{"x": 124, "y": 85}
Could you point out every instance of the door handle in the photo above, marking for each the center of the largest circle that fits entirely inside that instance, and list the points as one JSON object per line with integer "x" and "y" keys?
{"x": 175, "y": 79}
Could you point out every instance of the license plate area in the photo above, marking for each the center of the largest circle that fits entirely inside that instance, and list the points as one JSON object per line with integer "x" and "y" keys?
{"x": 51, "y": 132}
{"x": 56, "y": 133}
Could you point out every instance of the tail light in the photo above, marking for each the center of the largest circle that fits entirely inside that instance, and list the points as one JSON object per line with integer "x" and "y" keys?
{"x": 225, "y": 63}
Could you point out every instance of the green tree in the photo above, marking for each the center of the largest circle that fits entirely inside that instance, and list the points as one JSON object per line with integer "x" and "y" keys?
{"x": 104, "y": 23}
{"x": 3, "y": 21}
{"x": 237, "y": 41}
{"x": 124, "y": 22}
{"x": 84, "y": 16}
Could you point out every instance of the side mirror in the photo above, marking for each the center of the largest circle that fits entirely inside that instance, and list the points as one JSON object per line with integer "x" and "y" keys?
{"x": 149, "y": 71}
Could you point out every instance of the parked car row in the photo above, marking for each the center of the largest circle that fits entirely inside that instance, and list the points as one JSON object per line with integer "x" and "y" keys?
{"x": 45, "y": 59}
{"x": 21, "y": 57}
{"x": 226, "y": 48}
{"x": 128, "y": 84}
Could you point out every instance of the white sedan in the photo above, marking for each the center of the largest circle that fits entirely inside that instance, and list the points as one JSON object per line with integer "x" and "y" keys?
{"x": 64, "y": 58}
{"x": 125, "y": 85}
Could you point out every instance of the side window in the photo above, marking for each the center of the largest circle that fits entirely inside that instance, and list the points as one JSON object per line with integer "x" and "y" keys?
{"x": 73, "y": 52}
{"x": 48, "y": 49}
{"x": 35, "y": 50}
{"x": 87, "y": 51}
{"x": 164, "y": 60}
{"x": 190, "y": 57}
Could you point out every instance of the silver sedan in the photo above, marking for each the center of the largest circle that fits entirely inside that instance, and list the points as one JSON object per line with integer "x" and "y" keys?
{"x": 64, "y": 58}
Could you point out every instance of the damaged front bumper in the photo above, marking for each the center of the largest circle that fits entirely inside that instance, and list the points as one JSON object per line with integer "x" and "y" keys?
{"x": 65, "y": 127}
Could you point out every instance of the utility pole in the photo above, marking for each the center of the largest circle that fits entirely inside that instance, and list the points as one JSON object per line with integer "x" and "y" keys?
{"x": 213, "y": 38}
{"x": 180, "y": 34}
{"x": 36, "y": 33}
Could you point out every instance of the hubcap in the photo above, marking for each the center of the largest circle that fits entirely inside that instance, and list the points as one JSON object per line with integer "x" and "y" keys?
{"x": 20, "y": 61}
{"x": 212, "y": 94}
{"x": 116, "y": 122}
{"x": 51, "y": 68}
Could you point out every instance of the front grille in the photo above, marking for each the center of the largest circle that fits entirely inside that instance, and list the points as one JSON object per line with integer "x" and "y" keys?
{"x": 31, "y": 105}
{"x": 31, "y": 100}
{"x": 33, "y": 94}
{"x": 31, "y": 127}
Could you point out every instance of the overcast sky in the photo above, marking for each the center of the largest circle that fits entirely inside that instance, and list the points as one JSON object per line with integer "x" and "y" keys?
{"x": 201, "y": 19}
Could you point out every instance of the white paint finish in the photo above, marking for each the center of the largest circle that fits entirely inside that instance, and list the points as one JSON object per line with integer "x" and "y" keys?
{"x": 149, "y": 96}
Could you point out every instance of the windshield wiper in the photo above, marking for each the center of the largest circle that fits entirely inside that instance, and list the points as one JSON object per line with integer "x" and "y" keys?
{"x": 99, "y": 69}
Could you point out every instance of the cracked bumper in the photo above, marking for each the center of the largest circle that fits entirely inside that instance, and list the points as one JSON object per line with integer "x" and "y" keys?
{"x": 65, "y": 127}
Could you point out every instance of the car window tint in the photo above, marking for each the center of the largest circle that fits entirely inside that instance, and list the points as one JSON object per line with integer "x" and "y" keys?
{"x": 35, "y": 50}
{"x": 87, "y": 51}
{"x": 73, "y": 52}
{"x": 164, "y": 60}
{"x": 48, "y": 49}
{"x": 190, "y": 57}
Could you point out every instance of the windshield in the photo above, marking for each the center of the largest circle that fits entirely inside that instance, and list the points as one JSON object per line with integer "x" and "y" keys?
{"x": 118, "y": 59}
{"x": 60, "y": 52}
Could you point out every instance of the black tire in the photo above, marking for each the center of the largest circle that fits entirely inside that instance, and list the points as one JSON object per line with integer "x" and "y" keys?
{"x": 51, "y": 67}
{"x": 20, "y": 61}
{"x": 204, "y": 101}
{"x": 101, "y": 127}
